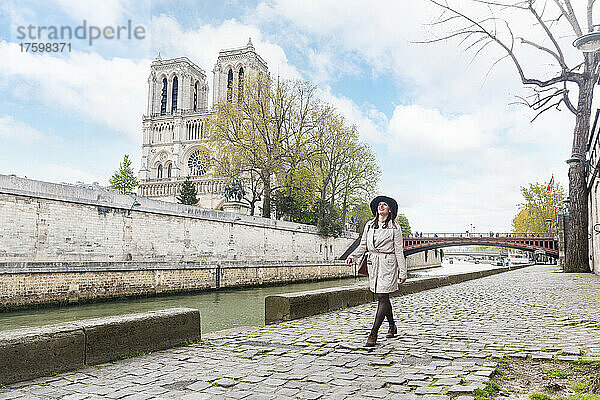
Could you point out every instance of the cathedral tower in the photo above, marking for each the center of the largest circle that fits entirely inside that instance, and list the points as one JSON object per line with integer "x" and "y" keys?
{"x": 231, "y": 68}
{"x": 175, "y": 135}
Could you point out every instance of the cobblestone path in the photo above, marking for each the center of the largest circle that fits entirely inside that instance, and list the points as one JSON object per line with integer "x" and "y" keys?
{"x": 448, "y": 341}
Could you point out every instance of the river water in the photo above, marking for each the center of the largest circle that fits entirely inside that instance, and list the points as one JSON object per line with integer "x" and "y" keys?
{"x": 219, "y": 309}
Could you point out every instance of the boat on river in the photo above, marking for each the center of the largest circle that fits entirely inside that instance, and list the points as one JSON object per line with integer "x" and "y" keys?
{"x": 518, "y": 259}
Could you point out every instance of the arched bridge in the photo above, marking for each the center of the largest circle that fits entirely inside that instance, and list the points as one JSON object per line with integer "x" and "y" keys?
{"x": 546, "y": 242}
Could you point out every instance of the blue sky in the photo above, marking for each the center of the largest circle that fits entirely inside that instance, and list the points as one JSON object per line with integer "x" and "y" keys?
{"x": 453, "y": 151}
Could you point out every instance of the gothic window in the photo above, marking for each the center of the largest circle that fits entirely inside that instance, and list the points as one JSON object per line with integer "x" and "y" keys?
{"x": 159, "y": 171}
{"x": 229, "y": 84}
{"x": 163, "y": 98}
{"x": 240, "y": 85}
{"x": 196, "y": 96}
{"x": 195, "y": 164}
{"x": 169, "y": 170}
{"x": 174, "y": 95}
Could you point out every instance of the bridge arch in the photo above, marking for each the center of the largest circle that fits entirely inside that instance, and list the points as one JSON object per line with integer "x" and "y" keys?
{"x": 414, "y": 249}
{"x": 521, "y": 241}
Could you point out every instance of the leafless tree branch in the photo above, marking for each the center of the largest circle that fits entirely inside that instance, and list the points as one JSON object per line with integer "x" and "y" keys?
{"x": 569, "y": 15}
{"x": 566, "y": 75}
{"x": 559, "y": 55}
{"x": 545, "y": 49}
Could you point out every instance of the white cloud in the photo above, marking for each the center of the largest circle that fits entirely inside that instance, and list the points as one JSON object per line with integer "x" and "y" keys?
{"x": 96, "y": 12}
{"x": 370, "y": 125}
{"x": 419, "y": 131}
{"x": 456, "y": 149}
{"x": 13, "y": 130}
{"x": 109, "y": 91}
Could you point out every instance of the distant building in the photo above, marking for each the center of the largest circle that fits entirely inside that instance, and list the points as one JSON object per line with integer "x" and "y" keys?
{"x": 593, "y": 184}
{"x": 174, "y": 127}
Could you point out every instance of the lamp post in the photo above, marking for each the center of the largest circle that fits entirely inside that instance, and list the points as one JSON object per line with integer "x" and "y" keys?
{"x": 576, "y": 246}
{"x": 588, "y": 43}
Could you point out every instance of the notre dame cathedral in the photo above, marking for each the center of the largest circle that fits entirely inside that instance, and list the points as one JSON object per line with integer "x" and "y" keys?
{"x": 175, "y": 143}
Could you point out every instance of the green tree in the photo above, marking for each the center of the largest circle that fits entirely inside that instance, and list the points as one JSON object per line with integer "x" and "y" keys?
{"x": 123, "y": 179}
{"x": 345, "y": 170}
{"x": 404, "y": 224}
{"x": 538, "y": 207}
{"x": 296, "y": 152}
{"x": 361, "y": 213}
{"x": 327, "y": 219}
{"x": 188, "y": 193}
{"x": 251, "y": 130}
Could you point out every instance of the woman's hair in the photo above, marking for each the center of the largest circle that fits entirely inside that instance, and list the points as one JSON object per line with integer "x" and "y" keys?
{"x": 385, "y": 224}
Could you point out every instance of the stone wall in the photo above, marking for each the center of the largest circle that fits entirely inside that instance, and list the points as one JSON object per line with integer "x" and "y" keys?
{"x": 57, "y": 223}
{"x": 425, "y": 259}
{"x": 64, "y": 244}
{"x": 63, "y": 283}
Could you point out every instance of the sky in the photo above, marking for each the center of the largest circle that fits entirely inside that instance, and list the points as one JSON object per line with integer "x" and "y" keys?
{"x": 453, "y": 146}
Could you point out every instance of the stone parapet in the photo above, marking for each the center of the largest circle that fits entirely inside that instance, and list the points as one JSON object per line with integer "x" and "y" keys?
{"x": 53, "y": 223}
{"x": 34, "y": 352}
{"x": 289, "y": 306}
{"x": 10, "y": 184}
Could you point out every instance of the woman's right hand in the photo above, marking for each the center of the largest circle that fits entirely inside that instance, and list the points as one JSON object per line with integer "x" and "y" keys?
{"x": 348, "y": 261}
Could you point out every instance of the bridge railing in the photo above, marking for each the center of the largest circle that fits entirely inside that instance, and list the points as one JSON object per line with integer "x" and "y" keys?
{"x": 484, "y": 235}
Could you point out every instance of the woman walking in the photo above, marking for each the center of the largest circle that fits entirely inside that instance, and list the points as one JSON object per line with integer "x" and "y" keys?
{"x": 382, "y": 241}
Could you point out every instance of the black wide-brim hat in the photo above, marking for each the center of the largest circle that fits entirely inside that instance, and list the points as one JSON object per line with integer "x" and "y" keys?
{"x": 389, "y": 201}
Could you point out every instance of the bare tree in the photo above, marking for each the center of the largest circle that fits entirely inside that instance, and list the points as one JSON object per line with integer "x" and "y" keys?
{"x": 549, "y": 18}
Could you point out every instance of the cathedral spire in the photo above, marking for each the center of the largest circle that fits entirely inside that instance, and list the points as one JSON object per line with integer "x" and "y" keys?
{"x": 249, "y": 42}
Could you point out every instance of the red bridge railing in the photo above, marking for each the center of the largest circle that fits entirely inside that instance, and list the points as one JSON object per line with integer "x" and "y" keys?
{"x": 547, "y": 242}
{"x": 484, "y": 234}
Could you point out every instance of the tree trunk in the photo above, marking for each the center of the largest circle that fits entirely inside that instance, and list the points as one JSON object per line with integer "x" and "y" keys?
{"x": 576, "y": 252}
{"x": 266, "y": 211}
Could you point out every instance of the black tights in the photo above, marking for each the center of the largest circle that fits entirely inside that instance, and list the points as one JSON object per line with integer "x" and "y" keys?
{"x": 384, "y": 310}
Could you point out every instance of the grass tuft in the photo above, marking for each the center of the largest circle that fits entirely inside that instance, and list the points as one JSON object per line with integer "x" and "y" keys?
{"x": 490, "y": 390}
{"x": 556, "y": 373}
{"x": 582, "y": 385}
{"x": 539, "y": 396}
{"x": 580, "y": 397}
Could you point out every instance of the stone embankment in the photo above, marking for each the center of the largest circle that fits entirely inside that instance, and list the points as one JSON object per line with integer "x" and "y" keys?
{"x": 289, "y": 306}
{"x": 34, "y": 352}
{"x": 68, "y": 244}
{"x": 448, "y": 344}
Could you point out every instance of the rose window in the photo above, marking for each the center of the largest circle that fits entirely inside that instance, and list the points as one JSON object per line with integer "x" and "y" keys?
{"x": 196, "y": 165}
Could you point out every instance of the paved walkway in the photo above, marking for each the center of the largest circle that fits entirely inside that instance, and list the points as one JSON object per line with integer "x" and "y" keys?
{"x": 449, "y": 338}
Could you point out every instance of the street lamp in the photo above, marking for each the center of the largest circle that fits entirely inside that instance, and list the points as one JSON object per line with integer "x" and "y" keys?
{"x": 589, "y": 42}
{"x": 576, "y": 157}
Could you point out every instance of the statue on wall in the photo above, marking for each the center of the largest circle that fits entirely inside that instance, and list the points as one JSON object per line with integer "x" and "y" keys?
{"x": 234, "y": 191}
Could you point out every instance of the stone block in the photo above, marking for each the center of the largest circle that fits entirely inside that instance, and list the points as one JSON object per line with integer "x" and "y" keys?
{"x": 33, "y": 352}
{"x": 113, "y": 337}
{"x": 289, "y": 306}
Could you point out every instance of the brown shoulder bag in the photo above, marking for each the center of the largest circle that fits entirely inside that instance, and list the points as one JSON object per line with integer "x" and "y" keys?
{"x": 363, "y": 270}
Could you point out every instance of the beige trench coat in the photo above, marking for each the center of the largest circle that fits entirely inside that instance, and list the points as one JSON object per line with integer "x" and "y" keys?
{"x": 386, "y": 262}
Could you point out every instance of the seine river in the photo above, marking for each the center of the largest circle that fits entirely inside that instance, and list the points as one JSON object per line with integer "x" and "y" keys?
{"x": 222, "y": 309}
